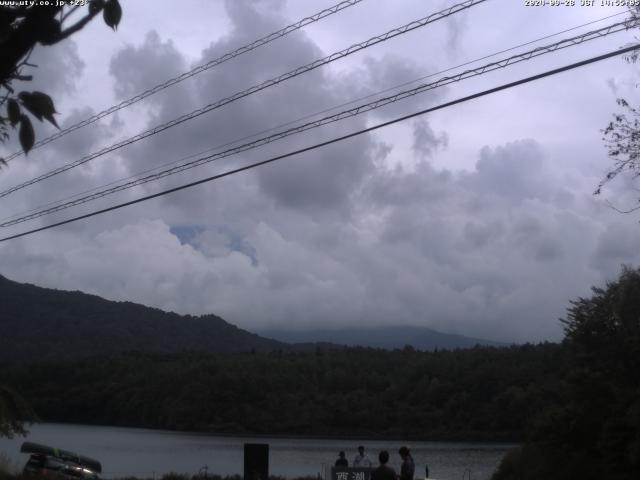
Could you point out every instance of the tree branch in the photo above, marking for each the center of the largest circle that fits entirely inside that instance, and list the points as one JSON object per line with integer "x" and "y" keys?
{"x": 23, "y": 39}
{"x": 70, "y": 12}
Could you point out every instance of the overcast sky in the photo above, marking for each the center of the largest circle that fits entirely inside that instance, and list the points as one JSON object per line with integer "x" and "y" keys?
{"x": 477, "y": 219}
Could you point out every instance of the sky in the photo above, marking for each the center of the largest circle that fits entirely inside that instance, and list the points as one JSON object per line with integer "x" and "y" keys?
{"x": 478, "y": 219}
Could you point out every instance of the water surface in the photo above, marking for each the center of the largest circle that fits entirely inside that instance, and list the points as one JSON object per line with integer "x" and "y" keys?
{"x": 151, "y": 453}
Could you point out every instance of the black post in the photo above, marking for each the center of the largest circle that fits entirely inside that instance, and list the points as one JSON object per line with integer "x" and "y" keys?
{"x": 256, "y": 461}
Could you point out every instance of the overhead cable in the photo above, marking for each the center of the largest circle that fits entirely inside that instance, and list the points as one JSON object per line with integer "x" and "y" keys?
{"x": 525, "y": 56}
{"x": 256, "y": 88}
{"x": 308, "y": 116}
{"x": 195, "y": 71}
{"x": 483, "y": 93}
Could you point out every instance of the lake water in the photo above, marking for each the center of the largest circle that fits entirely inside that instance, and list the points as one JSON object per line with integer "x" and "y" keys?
{"x": 150, "y": 453}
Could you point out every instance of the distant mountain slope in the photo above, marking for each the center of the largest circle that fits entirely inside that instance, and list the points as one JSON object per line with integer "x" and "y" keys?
{"x": 420, "y": 338}
{"x": 39, "y": 323}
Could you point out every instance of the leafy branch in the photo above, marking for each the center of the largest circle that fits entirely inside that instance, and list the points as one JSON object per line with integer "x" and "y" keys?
{"x": 21, "y": 29}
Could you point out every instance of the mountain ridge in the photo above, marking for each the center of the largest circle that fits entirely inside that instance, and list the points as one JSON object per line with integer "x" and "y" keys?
{"x": 44, "y": 323}
{"x": 385, "y": 336}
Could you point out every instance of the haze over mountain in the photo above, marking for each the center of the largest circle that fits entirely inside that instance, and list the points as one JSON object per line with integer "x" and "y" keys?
{"x": 389, "y": 337}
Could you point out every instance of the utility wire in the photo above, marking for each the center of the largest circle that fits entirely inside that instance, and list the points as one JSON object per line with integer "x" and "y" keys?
{"x": 483, "y": 93}
{"x": 199, "y": 69}
{"x": 599, "y": 33}
{"x": 256, "y": 88}
{"x": 306, "y": 117}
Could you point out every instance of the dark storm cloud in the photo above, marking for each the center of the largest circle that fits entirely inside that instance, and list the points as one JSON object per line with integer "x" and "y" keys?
{"x": 476, "y": 245}
{"x": 514, "y": 171}
{"x": 387, "y": 76}
{"x": 322, "y": 179}
{"x": 479, "y": 234}
{"x": 135, "y": 69}
{"x": 616, "y": 246}
{"x": 58, "y": 70}
{"x": 86, "y": 141}
{"x": 456, "y": 27}
{"x": 425, "y": 140}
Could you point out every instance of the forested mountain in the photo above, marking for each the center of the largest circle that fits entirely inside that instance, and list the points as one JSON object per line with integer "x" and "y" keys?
{"x": 41, "y": 323}
{"x": 388, "y": 337}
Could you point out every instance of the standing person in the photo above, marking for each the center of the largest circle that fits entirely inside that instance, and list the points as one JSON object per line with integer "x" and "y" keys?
{"x": 408, "y": 467}
{"x": 361, "y": 459}
{"x": 383, "y": 472}
{"x": 342, "y": 461}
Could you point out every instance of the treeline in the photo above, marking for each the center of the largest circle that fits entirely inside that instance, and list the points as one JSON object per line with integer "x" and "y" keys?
{"x": 592, "y": 430}
{"x": 483, "y": 393}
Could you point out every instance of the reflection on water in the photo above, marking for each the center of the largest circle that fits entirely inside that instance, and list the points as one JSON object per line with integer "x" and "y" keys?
{"x": 149, "y": 453}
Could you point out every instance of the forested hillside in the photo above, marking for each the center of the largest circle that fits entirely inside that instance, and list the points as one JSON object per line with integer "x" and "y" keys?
{"x": 40, "y": 323}
{"x": 481, "y": 393}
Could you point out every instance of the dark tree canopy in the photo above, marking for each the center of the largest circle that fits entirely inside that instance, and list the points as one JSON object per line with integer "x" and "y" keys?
{"x": 593, "y": 430}
{"x": 14, "y": 411}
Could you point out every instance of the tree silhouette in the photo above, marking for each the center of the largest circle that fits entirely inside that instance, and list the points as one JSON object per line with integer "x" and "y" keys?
{"x": 14, "y": 411}
{"x": 593, "y": 430}
{"x": 622, "y": 135}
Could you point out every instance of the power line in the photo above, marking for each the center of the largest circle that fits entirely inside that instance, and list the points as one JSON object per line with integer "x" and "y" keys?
{"x": 256, "y": 88}
{"x": 525, "y": 56}
{"x": 315, "y": 114}
{"x": 334, "y": 140}
{"x": 195, "y": 71}
{"x": 306, "y": 117}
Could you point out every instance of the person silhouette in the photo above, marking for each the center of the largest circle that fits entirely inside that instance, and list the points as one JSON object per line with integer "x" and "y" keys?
{"x": 383, "y": 471}
{"x": 361, "y": 459}
{"x": 408, "y": 467}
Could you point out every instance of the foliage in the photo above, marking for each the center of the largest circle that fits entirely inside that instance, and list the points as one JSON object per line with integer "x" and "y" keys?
{"x": 483, "y": 393}
{"x": 594, "y": 432}
{"x": 13, "y": 412}
{"x": 622, "y": 135}
{"x": 22, "y": 28}
{"x": 7, "y": 466}
{"x": 622, "y": 139}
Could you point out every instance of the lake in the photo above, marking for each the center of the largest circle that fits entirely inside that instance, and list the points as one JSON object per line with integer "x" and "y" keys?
{"x": 150, "y": 453}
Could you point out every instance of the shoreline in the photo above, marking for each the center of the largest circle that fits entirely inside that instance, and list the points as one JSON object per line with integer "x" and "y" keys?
{"x": 284, "y": 436}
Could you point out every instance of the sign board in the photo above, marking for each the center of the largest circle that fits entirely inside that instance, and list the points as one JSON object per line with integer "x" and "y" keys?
{"x": 350, "y": 473}
{"x": 256, "y": 461}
